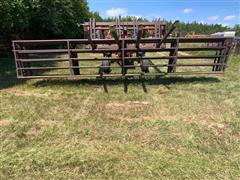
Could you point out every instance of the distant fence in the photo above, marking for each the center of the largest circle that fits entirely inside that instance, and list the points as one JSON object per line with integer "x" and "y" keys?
{"x": 120, "y": 57}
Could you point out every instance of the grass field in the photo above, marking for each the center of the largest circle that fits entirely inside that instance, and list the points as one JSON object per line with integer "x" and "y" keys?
{"x": 172, "y": 127}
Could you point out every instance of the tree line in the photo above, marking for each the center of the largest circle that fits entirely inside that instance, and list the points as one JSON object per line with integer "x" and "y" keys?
{"x": 42, "y": 19}
{"x": 49, "y": 19}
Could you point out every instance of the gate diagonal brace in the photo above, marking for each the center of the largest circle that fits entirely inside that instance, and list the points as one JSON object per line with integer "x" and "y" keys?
{"x": 167, "y": 34}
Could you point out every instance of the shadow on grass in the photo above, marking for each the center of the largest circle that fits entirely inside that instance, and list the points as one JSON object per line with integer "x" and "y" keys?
{"x": 145, "y": 82}
{"x": 8, "y": 77}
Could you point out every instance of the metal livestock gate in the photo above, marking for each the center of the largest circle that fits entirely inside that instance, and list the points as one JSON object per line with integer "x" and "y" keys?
{"x": 70, "y": 58}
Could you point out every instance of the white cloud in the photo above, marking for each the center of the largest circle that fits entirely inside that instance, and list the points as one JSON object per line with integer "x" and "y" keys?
{"x": 187, "y": 10}
{"x": 116, "y": 12}
{"x": 113, "y": 12}
{"x": 213, "y": 18}
{"x": 230, "y": 17}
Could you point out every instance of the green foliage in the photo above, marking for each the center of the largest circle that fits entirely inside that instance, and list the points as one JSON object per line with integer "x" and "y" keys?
{"x": 199, "y": 28}
{"x": 42, "y": 19}
{"x": 58, "y": 18}
{"x": 24, "y": 19}
{"x": 96, "y": 16}
{"x": 126, "y": 18}
{"x": 14, "y": 19}
{"x": 237, "y": 29}
{"x": 184, "y": 28}
{"x": 14, "y": 15}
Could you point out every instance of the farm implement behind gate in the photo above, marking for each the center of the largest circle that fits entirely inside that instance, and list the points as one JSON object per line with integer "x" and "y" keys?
{"x": 124, "y": 57}
{"x": 99, "y": 30}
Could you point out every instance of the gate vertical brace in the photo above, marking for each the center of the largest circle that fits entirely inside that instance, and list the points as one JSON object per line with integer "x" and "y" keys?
{"x": 173, "y": 60}
{"x": 122, "y": 30}
{"x": 160, "y": 32}
{"x": 133, "y": 24}
{"x": 217, "y": 60}
{"x": 137, "y": 28}
{"x": 16, "y": 56}
{"x": 120, "y": 27}
{"x": 155, "y": 29}
{"x": 163, "y": 30}
{"x": 20, "y": 63}
{"x": 116, "y": 24}
{"x": 127, "y": 30}
{"x": 69, "y": 53}
{"x": 26, "y": 64}
{"x": 123, "y": 59}
{"x": 134, "y": 28}
{"x": 90, "y": 27}
{"x": 71, "y": 56}
{"x": 229, "y": 44}
{"x": 94, "y": 28}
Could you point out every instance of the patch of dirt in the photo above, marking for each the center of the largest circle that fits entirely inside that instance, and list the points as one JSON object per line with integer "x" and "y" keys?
{"x": 16, "y": 92}
{"x": 51, "y": 123}
{"x": 33, "y": 132}
{"x": 5, "y": 122}
{"x": 37, "y": 131}
{"x": 123, "y": 110}
{"x": 163, "y": 89}
{"x": 127, "y": 104}
{"x": 206, "y": 120}
{"x": 130, "y": 111}
{"x": 142, "y": 119}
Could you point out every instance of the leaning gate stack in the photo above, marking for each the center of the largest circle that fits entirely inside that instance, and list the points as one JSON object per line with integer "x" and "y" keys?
{"x": 121, "y": 49}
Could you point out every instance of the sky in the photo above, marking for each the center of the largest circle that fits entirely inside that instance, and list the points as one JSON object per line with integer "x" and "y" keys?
{"x": 225, "y": 12}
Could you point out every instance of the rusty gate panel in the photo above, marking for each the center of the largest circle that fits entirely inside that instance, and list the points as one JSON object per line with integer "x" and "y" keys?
{"x": 70, "y": 58}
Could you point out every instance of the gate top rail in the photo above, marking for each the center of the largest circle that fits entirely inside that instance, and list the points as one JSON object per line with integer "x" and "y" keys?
{"x": 129, "y": 40}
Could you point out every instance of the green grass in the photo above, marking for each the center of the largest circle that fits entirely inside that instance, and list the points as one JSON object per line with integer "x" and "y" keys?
{"x": 169, "y": 127}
